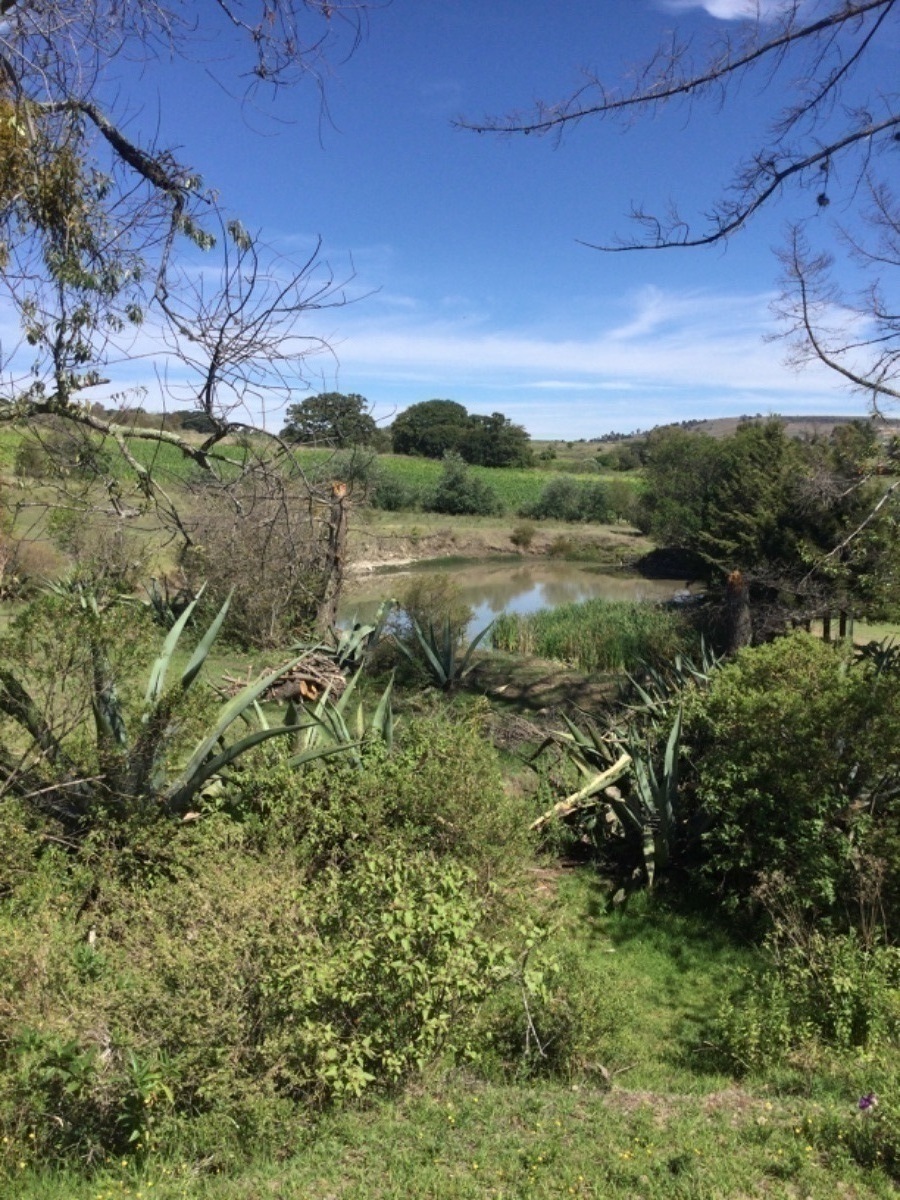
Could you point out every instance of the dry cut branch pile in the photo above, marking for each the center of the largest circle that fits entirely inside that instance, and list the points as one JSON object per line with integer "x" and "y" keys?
{"x": 307, "y": 681}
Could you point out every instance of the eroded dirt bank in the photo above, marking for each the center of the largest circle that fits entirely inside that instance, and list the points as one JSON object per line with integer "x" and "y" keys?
{"x": 372, "y": 549}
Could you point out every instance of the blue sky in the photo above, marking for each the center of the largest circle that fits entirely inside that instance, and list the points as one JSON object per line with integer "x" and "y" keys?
{"x": 463, "y": 250}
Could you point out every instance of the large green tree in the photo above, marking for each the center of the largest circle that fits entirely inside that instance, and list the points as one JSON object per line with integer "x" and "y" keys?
{"x": 495, "y": 441}
{"x": 330, "y": 419}
{"x": 430, "y": 428}
{"x": 435, "y": 427}
{"x": 801, "y": 520}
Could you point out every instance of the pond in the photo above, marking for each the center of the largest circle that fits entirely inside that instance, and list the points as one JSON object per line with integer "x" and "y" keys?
{"x": 513, "y": 585}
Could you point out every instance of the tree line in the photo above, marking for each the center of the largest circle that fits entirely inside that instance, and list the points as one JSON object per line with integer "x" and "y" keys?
{"x": 430, "y": 429}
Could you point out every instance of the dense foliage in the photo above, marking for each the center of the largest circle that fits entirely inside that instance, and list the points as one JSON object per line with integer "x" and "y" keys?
{"x": 435, "y": 427}
{"x": 313, "y": 935}
{"x": 458, "y": 492}
{"x": 799, "y": 518}
{"x": 330, "y": 419}
{"x": 795, "y": 749}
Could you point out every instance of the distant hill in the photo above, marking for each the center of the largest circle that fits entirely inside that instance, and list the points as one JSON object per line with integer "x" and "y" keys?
{"x": 797, "y": 426}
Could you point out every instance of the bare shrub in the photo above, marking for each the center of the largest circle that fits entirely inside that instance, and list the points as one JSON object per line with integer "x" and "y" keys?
{"x": 265, "y": 540}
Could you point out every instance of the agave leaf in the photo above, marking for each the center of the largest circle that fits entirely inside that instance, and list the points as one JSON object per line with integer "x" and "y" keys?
{"x": 157, "y": 681}
{"x": 670, "y": 763}
{"x": 341, "y": 703}
{"x": 448, "y": 648}
{"x": 198, "y": 658}
{"x": 383, "y": 717}
{"x": 466, "y": 665}
{"x": 300, "y": 760}
{"x": 187, "y": 786}
{"x": 430, "y": 653}
{"x": 231, "y": 711}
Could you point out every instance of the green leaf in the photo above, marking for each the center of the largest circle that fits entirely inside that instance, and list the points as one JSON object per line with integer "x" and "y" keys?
{"x": 198, "y": 658}
{"x": 180, "y": 794}
{"x": 230, "y": 712}
{"x": 157, "y": 681}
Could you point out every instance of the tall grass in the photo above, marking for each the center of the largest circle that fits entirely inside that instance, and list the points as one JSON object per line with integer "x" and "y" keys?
{"x": 597, "y": 635}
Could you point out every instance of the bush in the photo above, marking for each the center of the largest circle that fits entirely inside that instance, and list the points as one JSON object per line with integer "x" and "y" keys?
{"x": 460, "y": 493}
{"x": 522, "y": 535}
{"x": 223, "y": 993}
{"x": 796, "y": 751}
{"x": 566, "y": 499}
{"x": 393, "y": 495}
{"x": 440, "y": 789}
{"x": 269, "y": 554}
{"x": 563, "y": 1032}
{"x": 821, "y": 990}
{"x": 622, "y": 499}
{"x": 311, "y": 938}
{"x": 50, "y": 452}
{"x": 560, "y": 500}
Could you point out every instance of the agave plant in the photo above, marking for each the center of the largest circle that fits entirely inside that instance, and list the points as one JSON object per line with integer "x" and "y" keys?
{"x": 440, "y": 651}
{"x": 331, "y": 727}
{"x": 631, "y": 769}
{"x": 135, "y": 767}
{"x": 355, "y": 645}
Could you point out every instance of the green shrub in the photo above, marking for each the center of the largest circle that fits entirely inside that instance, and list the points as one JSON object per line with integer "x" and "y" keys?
{"x": 622, "y": 499}
{"x": 55, "y": 453}
{"x": 560, "y": 500}
{"x": 796, "y": 749}
{"x": 522, "y": 535}
{"x": 566, "y": 499}
{"x": 440, "y": 789}
{"x": 820, "y": 990}
{"x": 207, "y": 990}
{"x": 460, "y": 493}
{"x": 547, "y": 1020}
{"x": 393, "y": 495}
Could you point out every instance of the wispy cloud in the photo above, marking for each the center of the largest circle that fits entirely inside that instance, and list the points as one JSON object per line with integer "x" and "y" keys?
{"x": 731, "y": 10}
{"x": 667, "y": 356}
{"x": 657, "y": 355}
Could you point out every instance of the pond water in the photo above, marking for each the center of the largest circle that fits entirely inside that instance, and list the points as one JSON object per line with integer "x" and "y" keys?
{"x": 512, "y": 585}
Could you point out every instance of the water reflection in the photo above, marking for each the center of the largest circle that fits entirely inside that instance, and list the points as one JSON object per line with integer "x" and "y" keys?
{"x": 510, "y": 585}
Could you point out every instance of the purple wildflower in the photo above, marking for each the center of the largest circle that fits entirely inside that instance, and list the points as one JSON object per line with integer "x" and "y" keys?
{"x": 869, "y": 1101}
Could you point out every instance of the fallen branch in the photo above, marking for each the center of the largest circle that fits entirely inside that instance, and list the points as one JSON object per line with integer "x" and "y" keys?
{"x": 584, "y": 797}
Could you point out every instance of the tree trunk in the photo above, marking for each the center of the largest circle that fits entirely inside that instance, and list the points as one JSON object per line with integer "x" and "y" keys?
{"x": 338, "y": 520}
{"x": 737, "y": 596}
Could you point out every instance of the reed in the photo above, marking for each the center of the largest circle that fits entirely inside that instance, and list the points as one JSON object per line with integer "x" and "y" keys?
{"x": 597, "y": 635}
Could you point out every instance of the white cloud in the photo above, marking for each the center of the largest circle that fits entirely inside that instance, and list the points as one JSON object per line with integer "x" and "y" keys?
{"x": 655, "y": 356}
{"x": 667, "y": 356}
{"x": 731, "y": 10}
